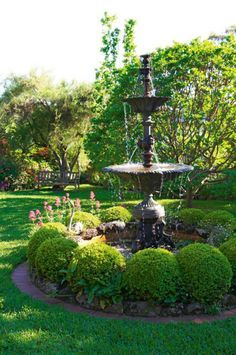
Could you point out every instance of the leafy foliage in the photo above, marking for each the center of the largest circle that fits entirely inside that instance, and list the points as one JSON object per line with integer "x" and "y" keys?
{"x": 54, "y": 255}
{"x": 35, "y": 113}
{"x": 87, "y": 219}
{"x": 152, "y": 274}
{"x": 113, "y": 83}
{"x": 191, "y": 216}
{"x": 229, "y": 250}
{"x": 96, "y": 263}
{"x": 205, "y": 271}
{"x": 61, "y": 228}
{"x": 116, "y": 213}
{"x": 106, "y": 294}
{"x": 37, "y": 239}
{"x": 219, "y": 218}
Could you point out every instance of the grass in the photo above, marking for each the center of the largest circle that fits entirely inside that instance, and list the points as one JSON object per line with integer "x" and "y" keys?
{"x": 29, "y": 326}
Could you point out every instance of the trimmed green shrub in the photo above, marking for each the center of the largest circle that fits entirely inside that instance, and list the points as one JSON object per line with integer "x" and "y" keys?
{"x": 219, "y": 218}
{"x": 87, "y": 219}
{"x": 37, "y": 239}
{"x": 229, "y": 250}
{"x": 152, "y": 274}
{"x": 61, "y": 228}
{"x": 205, "y": 271}
{"x": 191, "y": 216}
{"x": 116, "y": 213}
{"x": 53, "y": 256}
{"x": 95, "y": 263}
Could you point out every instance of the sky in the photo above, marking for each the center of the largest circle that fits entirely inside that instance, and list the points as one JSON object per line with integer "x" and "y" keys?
{"x": 63, "y": 37}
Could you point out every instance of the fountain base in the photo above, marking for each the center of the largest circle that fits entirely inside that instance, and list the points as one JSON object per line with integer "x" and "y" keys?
{"x": 150, "y": 233}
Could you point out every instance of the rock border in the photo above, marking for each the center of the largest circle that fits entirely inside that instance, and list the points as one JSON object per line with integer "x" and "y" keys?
{"x": 21, "y": 279}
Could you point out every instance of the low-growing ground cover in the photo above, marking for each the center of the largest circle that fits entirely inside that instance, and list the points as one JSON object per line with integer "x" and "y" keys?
{"x": 30, "y": 326}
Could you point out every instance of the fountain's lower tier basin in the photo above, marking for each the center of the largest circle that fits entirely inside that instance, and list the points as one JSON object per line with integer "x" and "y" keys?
{"x": 149, "y": 179}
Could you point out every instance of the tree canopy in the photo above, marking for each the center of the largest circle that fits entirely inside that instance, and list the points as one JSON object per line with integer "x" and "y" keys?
{"x": 35, "y": 113}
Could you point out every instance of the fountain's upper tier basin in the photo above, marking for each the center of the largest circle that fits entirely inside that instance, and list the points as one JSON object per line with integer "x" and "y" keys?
{"x": 149, "y": 179}
{"x": 145, "y": 104}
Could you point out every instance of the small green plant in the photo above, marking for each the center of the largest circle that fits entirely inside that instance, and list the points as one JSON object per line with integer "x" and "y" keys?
{"x": 218, "y": 235}
{"x": 152, "y": 274}
{"x": 205, "y": 271}
{"x": 116, "y": 213}
{"x": 219, "y": 218}
{"x": 191, "y": 216}
{"x": 87, "y": 219}
{"x": 39, "y": 236}
{"x": 106, "y": 293}
{"x": 229, "y": 250}
{"x": 54, "y": 255}
{"x": 94, "y": 266}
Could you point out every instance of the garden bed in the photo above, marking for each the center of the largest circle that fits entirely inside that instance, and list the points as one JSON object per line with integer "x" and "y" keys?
{"x": 40, "y": 289}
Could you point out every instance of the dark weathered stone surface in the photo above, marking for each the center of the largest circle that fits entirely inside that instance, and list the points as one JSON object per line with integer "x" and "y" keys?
{"x": 229, "y": 300}
{"x": 114, "y": 308}
{"x": 118, "y": 230}
{"x": 202, "y": 233}
{"x": 193, "y": 308}
{"x": 139, "y": 308}
{"x": 89, "y": 233}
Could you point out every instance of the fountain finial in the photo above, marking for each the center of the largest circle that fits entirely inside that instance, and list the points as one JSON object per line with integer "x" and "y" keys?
{"x": 145, "y": 71}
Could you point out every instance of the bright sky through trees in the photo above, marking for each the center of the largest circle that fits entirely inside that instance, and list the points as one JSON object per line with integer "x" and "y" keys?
{"x": 64, "y": 36}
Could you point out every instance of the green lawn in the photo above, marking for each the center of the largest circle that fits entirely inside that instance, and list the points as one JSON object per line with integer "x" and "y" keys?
{"x": 31, "y": 327}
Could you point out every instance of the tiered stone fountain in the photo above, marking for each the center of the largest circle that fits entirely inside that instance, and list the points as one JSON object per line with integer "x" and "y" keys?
{"x": 147, "y": 176}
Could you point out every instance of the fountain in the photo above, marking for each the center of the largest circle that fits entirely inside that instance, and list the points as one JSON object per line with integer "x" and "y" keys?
{"x": 147, "y": 176}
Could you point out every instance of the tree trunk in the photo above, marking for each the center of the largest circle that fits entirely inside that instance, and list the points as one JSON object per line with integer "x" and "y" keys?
{"x": 189, "y": 197}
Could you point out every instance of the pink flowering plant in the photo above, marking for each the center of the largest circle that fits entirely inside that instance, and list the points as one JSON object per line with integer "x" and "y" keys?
{"x": 55, "y": 212}
{"x": 94, "y": 204}
{"x": 60, "y": 209}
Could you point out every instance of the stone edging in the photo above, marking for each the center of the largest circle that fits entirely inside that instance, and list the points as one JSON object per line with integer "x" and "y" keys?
{"x": 21, "y": 279}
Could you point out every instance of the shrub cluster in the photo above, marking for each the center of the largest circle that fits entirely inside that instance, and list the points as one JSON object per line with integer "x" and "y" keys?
{"x": 205, "y": 271}
{"x": 53, "y": 256}
{"x": 152, "y": 274}
{"x": 37, "y": 239}
{"x": 61, "y": 228}
{"x": 191, "y": 216}
{"x": 229, "y": 250}
{"x": 95, "y": 263}
{"x": 116, "y": 213}
{"x": 87, "y": 219}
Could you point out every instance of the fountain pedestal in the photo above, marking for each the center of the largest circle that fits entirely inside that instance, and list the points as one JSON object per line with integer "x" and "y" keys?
{"x": 150, "y": 233}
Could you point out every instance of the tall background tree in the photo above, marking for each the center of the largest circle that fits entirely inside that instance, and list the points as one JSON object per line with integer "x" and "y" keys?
{"x": 37, "y": 114}
{"x": 198, "y": 125}
{"x": 106, "y": 141}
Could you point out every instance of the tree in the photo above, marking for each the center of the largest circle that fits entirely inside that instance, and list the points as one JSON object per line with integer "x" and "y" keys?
{"x": 35, "y": 114}
{"x": 106, "y": 140}
{"x": 198, "y": 125}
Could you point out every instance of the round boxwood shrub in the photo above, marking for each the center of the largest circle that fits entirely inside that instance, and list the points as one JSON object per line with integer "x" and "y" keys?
{"x": 116, "y": 213}
{"x": 87, "y": 219}
{"x": 219, "y": 218}
{"x": 205, "y": 271}
{"x": 53, "y": 256}
{"x": 152, "y": 274}
{"x": 191, "y": 216}
{"x": 37, "y": 239}
{"x": 95, "y": 263}
{"x": 61, "y": 228}
{"x": 229, "y": 250}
